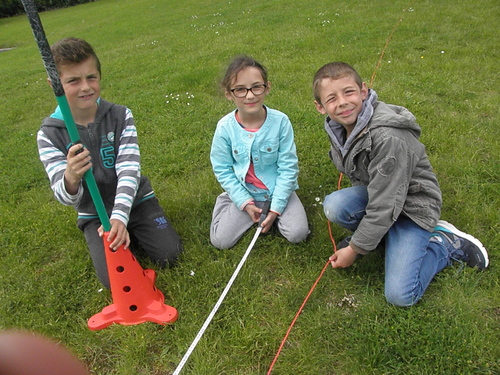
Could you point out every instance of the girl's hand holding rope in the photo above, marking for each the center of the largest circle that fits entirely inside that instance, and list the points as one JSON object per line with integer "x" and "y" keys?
{"x": 254, "y": 212}
{"x": 268, "y": 222}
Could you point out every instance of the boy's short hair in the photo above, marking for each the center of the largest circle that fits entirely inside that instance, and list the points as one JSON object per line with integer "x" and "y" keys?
{"x": 333, "y": 70}
{"x": 73, "y": 51}
{"x": 237, "y": 65}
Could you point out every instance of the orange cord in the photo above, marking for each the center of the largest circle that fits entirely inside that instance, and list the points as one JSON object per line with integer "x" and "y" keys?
{"x": 296, "y": 316}
{"x": 386, "y": 44}
{"x": 310, "y": 291}
{"x": 339, "y": 182}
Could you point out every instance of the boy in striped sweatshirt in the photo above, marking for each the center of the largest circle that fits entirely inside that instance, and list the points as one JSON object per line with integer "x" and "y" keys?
{"x": 109, "y": 146}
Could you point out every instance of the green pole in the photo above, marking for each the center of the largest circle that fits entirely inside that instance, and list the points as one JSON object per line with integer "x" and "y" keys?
{"x": 88, "y": 176}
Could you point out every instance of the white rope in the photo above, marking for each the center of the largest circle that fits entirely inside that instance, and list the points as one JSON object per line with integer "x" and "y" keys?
{"x": 217, "y": 305}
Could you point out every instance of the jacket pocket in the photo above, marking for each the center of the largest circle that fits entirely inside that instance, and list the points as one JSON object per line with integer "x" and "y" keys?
{"x": 269, "y": 153}
{"x": 239, "y": 153}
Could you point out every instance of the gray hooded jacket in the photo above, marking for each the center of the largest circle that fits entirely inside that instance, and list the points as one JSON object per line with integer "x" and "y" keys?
{"x": 383, "y": 152}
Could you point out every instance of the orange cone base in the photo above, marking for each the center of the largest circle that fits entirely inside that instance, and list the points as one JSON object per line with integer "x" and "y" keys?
{"x": 157, "y": 313}
{"x": 135, "y": 298}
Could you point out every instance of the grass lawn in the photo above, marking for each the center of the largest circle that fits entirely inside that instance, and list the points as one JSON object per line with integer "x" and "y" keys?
{"x": 163, "y": 59}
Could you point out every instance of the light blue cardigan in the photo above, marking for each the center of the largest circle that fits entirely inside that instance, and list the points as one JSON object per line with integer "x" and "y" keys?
{"x": 273, "y": 152}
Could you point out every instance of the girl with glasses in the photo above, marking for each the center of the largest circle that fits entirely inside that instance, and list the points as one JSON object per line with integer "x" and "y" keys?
{"x": 254, "y": 159}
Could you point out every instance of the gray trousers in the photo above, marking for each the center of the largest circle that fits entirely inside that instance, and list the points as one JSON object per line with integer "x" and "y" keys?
{"x": 149, "y": 231}
{"x": 229, "y": 223}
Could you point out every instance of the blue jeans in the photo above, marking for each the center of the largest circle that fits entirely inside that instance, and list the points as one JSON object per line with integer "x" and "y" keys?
{"x": 411, "y": 260}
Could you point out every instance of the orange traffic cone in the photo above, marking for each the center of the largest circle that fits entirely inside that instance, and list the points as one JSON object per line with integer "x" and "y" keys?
{"x": 135, "y": 298}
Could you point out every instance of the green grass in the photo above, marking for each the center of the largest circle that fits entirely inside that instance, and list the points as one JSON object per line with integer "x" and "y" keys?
{"x": 441, "y": 63}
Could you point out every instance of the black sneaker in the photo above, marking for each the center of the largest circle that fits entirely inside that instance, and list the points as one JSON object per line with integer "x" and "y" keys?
{"x": 344, "y": 243}
{"x": 464, "y": 247}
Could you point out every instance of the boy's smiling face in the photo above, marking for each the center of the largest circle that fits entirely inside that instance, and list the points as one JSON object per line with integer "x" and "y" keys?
{"x": 82, "y": 86}
{"x": 342, "y": 100}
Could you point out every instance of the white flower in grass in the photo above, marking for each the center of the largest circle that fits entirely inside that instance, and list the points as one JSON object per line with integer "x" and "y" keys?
{"x": 179, "y": 97}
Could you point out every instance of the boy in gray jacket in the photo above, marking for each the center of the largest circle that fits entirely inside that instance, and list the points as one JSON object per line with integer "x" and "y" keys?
{"x": 395, "y": 196}
{"x": 109, "y": 146}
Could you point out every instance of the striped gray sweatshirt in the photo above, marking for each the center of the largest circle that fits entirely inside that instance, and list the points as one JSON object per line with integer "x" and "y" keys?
{"x": 112, "y": 142}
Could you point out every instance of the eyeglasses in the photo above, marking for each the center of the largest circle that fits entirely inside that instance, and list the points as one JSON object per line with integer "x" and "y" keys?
{"x": 241, "y": 92}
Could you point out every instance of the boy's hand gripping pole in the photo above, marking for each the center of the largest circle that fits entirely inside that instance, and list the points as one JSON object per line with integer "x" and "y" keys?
{"x": 50, "y": 67}
{"x": 263, "y": 215}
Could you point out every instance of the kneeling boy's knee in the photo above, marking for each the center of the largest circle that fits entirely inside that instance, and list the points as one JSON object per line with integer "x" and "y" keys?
{"x": 331, "y": 213}
{"x": 399, "y": 299}
{"x": 170, "y": 257}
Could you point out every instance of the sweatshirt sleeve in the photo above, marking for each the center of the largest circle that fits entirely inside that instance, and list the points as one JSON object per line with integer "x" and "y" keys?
{"x": 55, "y": 162}
{"x": 128, "y": 170}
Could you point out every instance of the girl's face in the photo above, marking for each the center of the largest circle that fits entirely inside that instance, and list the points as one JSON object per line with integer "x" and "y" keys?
{"x": 251, "y": 101}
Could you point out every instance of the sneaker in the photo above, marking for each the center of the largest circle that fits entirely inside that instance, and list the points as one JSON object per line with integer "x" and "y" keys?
{"x": 465, "y": 247}
{"x": 344, "y": 243}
